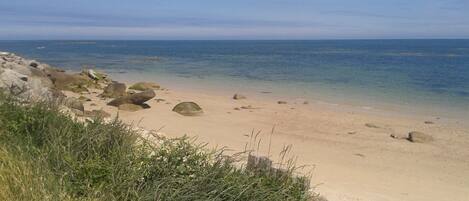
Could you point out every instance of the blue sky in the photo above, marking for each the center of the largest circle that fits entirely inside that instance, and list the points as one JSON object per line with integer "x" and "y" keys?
{"x": 235, "y": 19}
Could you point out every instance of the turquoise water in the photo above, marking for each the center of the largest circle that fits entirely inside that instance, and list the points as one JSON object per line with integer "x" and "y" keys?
{"x": 413, "y": 73}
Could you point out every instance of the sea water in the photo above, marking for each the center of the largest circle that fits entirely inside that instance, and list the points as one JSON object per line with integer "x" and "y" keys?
{"x": 430, "y": 75}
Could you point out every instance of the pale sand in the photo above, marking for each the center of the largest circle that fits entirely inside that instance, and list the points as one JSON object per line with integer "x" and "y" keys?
{"x": 348, "y": 160}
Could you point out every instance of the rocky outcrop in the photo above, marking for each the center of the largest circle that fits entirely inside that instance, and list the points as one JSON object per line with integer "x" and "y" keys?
{"x": 136, "y": 99}
{"x": 188, "y": 109}
{"x": 143, "y": 86}
{"x": 71, "y": 82}
{"x": 114, "y": 90}
{"x": 24, "y": 78}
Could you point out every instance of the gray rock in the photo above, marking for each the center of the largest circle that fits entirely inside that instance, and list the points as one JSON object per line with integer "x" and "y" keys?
{"x": 137, "y": 98}
{"x": 419, "y": 137}
{"x": 188, "y": 109}
{"x": 114, "y": 90}
{"x": 22, "y": 86}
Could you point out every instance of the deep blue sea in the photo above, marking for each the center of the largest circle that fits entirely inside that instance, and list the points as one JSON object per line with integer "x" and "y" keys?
{"x": 433, "y": 73}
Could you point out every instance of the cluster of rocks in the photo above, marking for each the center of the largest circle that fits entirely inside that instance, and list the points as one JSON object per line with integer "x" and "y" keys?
{"x": 26, "y": 79}
{"x": 30, "y": 80}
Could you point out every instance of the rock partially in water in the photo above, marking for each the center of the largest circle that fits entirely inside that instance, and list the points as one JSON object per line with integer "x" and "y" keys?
{"x": 114, "y": 90}
{"x": 419, "y": 137}
{"x": 188, "y": 109}
{"x": 143, "y": 86}
{"x": 136, "y": 99}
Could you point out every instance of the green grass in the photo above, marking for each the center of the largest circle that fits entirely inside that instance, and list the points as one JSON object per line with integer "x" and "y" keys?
{"x": 47, "y": 155}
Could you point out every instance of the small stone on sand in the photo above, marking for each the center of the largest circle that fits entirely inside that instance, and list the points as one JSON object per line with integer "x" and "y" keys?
{"x": 282, "y": 102}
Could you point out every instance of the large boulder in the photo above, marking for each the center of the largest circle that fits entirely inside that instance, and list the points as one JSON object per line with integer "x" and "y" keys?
{"x": 114, "y": 90}
{"x": 419, "y": 137}
{"x": 22, "y": 86}
{"x": 188, "y": 109}
{"x": 143, "y": 86}
{"x": 137, "y": 98}
{"x": 71, "y": 82}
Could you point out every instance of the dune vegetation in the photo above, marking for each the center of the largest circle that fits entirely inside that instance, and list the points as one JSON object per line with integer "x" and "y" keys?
{"x": 46, "y": 154}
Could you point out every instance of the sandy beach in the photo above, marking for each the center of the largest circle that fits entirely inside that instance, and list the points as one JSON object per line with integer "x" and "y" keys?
{"x": 353, "y": 153}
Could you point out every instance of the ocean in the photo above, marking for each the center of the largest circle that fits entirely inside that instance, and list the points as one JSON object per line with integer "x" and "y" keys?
{"x": 414, "y": 75}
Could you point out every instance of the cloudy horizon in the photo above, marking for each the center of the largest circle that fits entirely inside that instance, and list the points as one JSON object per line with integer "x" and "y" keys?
{"x": 242, "y": 19}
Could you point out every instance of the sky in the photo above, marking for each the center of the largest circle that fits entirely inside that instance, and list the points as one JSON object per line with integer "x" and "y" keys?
{"x": 233, "y": 19}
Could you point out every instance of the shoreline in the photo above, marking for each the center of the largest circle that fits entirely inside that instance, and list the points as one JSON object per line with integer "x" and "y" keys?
{"x": 268, "y": 91}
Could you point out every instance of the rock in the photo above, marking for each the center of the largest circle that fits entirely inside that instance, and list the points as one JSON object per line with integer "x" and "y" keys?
{"x": 137, "y": 99}
{"x": 236, "y": 108}
{"x": 428, "y": 122}
{"x": 74, "y": 83}
{"x": 238, "y": 97}
{"x": 114, "y": 90}
{"x": 74, "y": 103}
{"x": 419, "y": 137}
{"x": 92, "y": 74}
{"x": 305, "y": 103}
{"x": 12, "y": 81}
{"x": 22, "y": 86}
{"x": 143, "y": 86}
{"x": 34, "y": 64}
{"x": 188, "y": 109}
{"x": 282, "y": 102}
{"x": 371, "y": 125}
{"x": 130, "y": 107}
